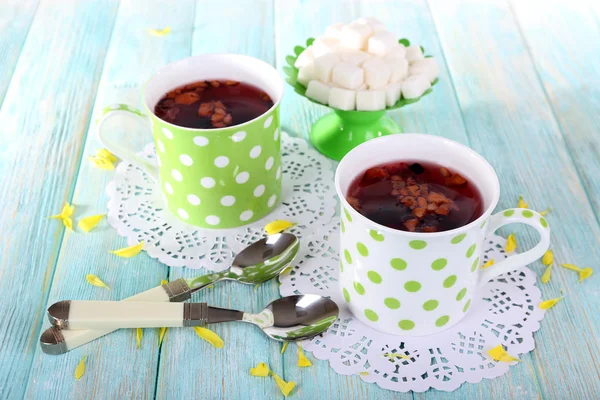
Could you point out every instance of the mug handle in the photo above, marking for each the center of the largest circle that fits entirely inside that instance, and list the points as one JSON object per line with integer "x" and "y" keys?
{"x": 524, "y": 216}
{"x": 124, "y": 110}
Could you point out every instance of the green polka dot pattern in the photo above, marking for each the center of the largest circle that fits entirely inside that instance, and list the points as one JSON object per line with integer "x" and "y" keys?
{"x": 221, "y": 178}
{"x": 475, "y": 265}
{"x": 374, "y": 277}
{"x": 362, "y": 249}
{"x": 450, "y": 281}
{"x": 376, "y": 235}
{"x": 543, "y": 222}
{"x": 346, "y": 295}
{"x": 347, "y": 256}
{"x": 509, "y": 213}
{"x": 371, "y": 315}
{"x": 398, "y": 264}
{"x": 359, "y": 288}
{"x": 461, "y": 294}
{"x": 417, "y": 244}
{"x": 406, "y": 325}
{"x": 458, "y": 239}
{"x": 441, "y": 321}
{"x": 348, "y": 217}
{"x": 471, "y": 250}
{"x": 392, "y": 303}
{"x": 439, "y": 264}
{"x": 430, "y": 305}
{"x": 412, "y": 286}
{"x": 467, "y": 305}
{"x": 527, "y": 213}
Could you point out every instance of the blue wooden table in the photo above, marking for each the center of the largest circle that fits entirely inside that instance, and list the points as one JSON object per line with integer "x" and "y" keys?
{"x": 520, "y": 83}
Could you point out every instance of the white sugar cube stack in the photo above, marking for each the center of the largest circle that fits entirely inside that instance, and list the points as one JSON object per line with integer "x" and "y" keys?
{"x": 361, "y": 66}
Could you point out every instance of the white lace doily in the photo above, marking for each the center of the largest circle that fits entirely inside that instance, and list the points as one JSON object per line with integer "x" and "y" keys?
{"x": 136, "y": 210}
{"x": 504, "y": 312}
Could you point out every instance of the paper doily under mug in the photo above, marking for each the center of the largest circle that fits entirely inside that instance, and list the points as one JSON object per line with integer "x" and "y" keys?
{"x": 136, "y": 210}
{"x": 504, "y": 312}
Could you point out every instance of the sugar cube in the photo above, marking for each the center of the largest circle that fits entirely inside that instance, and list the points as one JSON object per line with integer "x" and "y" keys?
{"x": 381, "y": 43}
{"x": 377, "y": 73}
{"x": 427, "y": 67}
{"x": 324, "y": 66}
{"x": 347, "y": 75}
{"x": 399, "y": 69}
{"x": 306, "y": 57}
{"x": 306, "y": 74}
{"x": 324, "y": 45}
{"x": 343, "y": 99}
{"x": 398, "y": 52}
{"x": 414, "y": 53}
{"x": 414, "y": 86}
{"x": 375, "y": 24}
{"x": 392, "y": 93}
{"x": 355, "y": 36}
{"x": 318, "y": 91}
{"x": 370, "y": 100}
{"x": 334, "y": 30}
{"x": 354, "y": 57}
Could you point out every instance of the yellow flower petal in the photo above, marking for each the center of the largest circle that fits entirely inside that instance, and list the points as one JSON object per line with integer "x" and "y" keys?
{"x": 285, "y": 387}
{"x": 488, "y": 264}
{"x": 571, "y": 267}
{"x": 511, "y": 243}
{"x": 80, "y": 369}
{"x": 88, "y": 223}
{"x": 499, "y": 354}
{"x": 363, "y": 373}
{"x": 94, "y": 280}
{"x": 548, "y": 257}
{"x": 161, "y": 335}
{"x": 160, "y": 32}
{"x": 547, "y": 274}
{"x": 130, "y": 251}
{"x": 277, "y": 226}
{"x": 66, "y": 212}
{"x": 302, "y": 360}
{"x": 163, "y": 282}
{"x": 261, "y": 369}
{"x": 107, "y": 155}
{"x": 101, "y": 162}
{"x": 285, "y": 345}
{"x": 546, "y": 211}
{"x": 209, "y": 336}
{"x": 522, "y": 203}
{"x": 138, "y": 337}
{"x": 585, "y": 273}
{"x": 397, "y": 355}
{"x": 68, "y": 223}
{"x": 546, "y": 304}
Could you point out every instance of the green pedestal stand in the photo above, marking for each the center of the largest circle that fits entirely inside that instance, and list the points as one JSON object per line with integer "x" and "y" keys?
{"x": 337, "y": 133}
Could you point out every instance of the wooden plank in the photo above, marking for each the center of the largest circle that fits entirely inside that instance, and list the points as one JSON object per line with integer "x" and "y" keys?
{"x": 189, "y": 366}
{"x": 510, "y": 121}
{"x": 44, "y": 119}
{"x": 15, "y": 20}
{"x": 115, "y": 367}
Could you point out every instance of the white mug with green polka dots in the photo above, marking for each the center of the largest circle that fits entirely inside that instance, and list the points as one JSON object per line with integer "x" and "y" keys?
{"x": 210, "y": 178}
{"x": 414, "y": 284}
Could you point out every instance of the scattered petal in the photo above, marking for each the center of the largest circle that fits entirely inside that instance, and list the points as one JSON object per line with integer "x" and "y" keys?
{"x": 546, "y": 211}
{"x": 285, "y": 387}
{"x": 511, "y": 243}
{"x": 65, "y": 216}
{"x": 548, "y": 257}
{"x": 130, "y": 251}
{"x": 546, "y": 304}
{"x": 163, "y": 282}
{"x": 488, "y": 264}
{"x": 107, "y": 155}
{"x": 277, "y": 226}
{"x": 68, "y": 223}
{"x": 499, "y": 354}
{"x": 397, "y": 355}
{"x": 209, "y": 336}
{"x": 284, "y": 347}
{"x": 261, "y": 369}
{"x": 138, "y": 337}
{"x": 94, "y": 280}
{"x": 363, "y": 373}
{"x": 160, "y": 32}
{"x": 585, "y": 273}
{"x": 80, "y": 369}
{"x": 161, "y": 335}
{"x": 522, "y": 203}
{"x": 101, "y": 162}
{"x": 86, "y": 224}
{"x": 547, "y": 274}
{"x": 302, "y": 360}
{"x": 571, "y": 267}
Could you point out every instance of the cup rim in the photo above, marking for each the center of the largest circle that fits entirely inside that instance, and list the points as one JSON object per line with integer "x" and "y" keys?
{"x": 215, "y": 130}
{"x": 484, "y": 216}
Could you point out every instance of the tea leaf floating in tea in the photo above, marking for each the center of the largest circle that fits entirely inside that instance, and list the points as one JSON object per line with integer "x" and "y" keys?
{"x": 499, "y": 354}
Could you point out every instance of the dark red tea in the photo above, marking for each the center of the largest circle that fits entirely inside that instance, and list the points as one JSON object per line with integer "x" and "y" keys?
{"x": 213, "y": 104}
{"x": 415, "y": 197}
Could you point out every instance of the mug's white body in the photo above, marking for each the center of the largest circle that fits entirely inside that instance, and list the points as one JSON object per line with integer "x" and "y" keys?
{"x": 407, "y": 283}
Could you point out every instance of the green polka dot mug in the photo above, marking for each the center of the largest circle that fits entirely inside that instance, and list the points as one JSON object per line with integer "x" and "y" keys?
{"x": 210, "y": 178}
{"x": 414, "y": 284}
